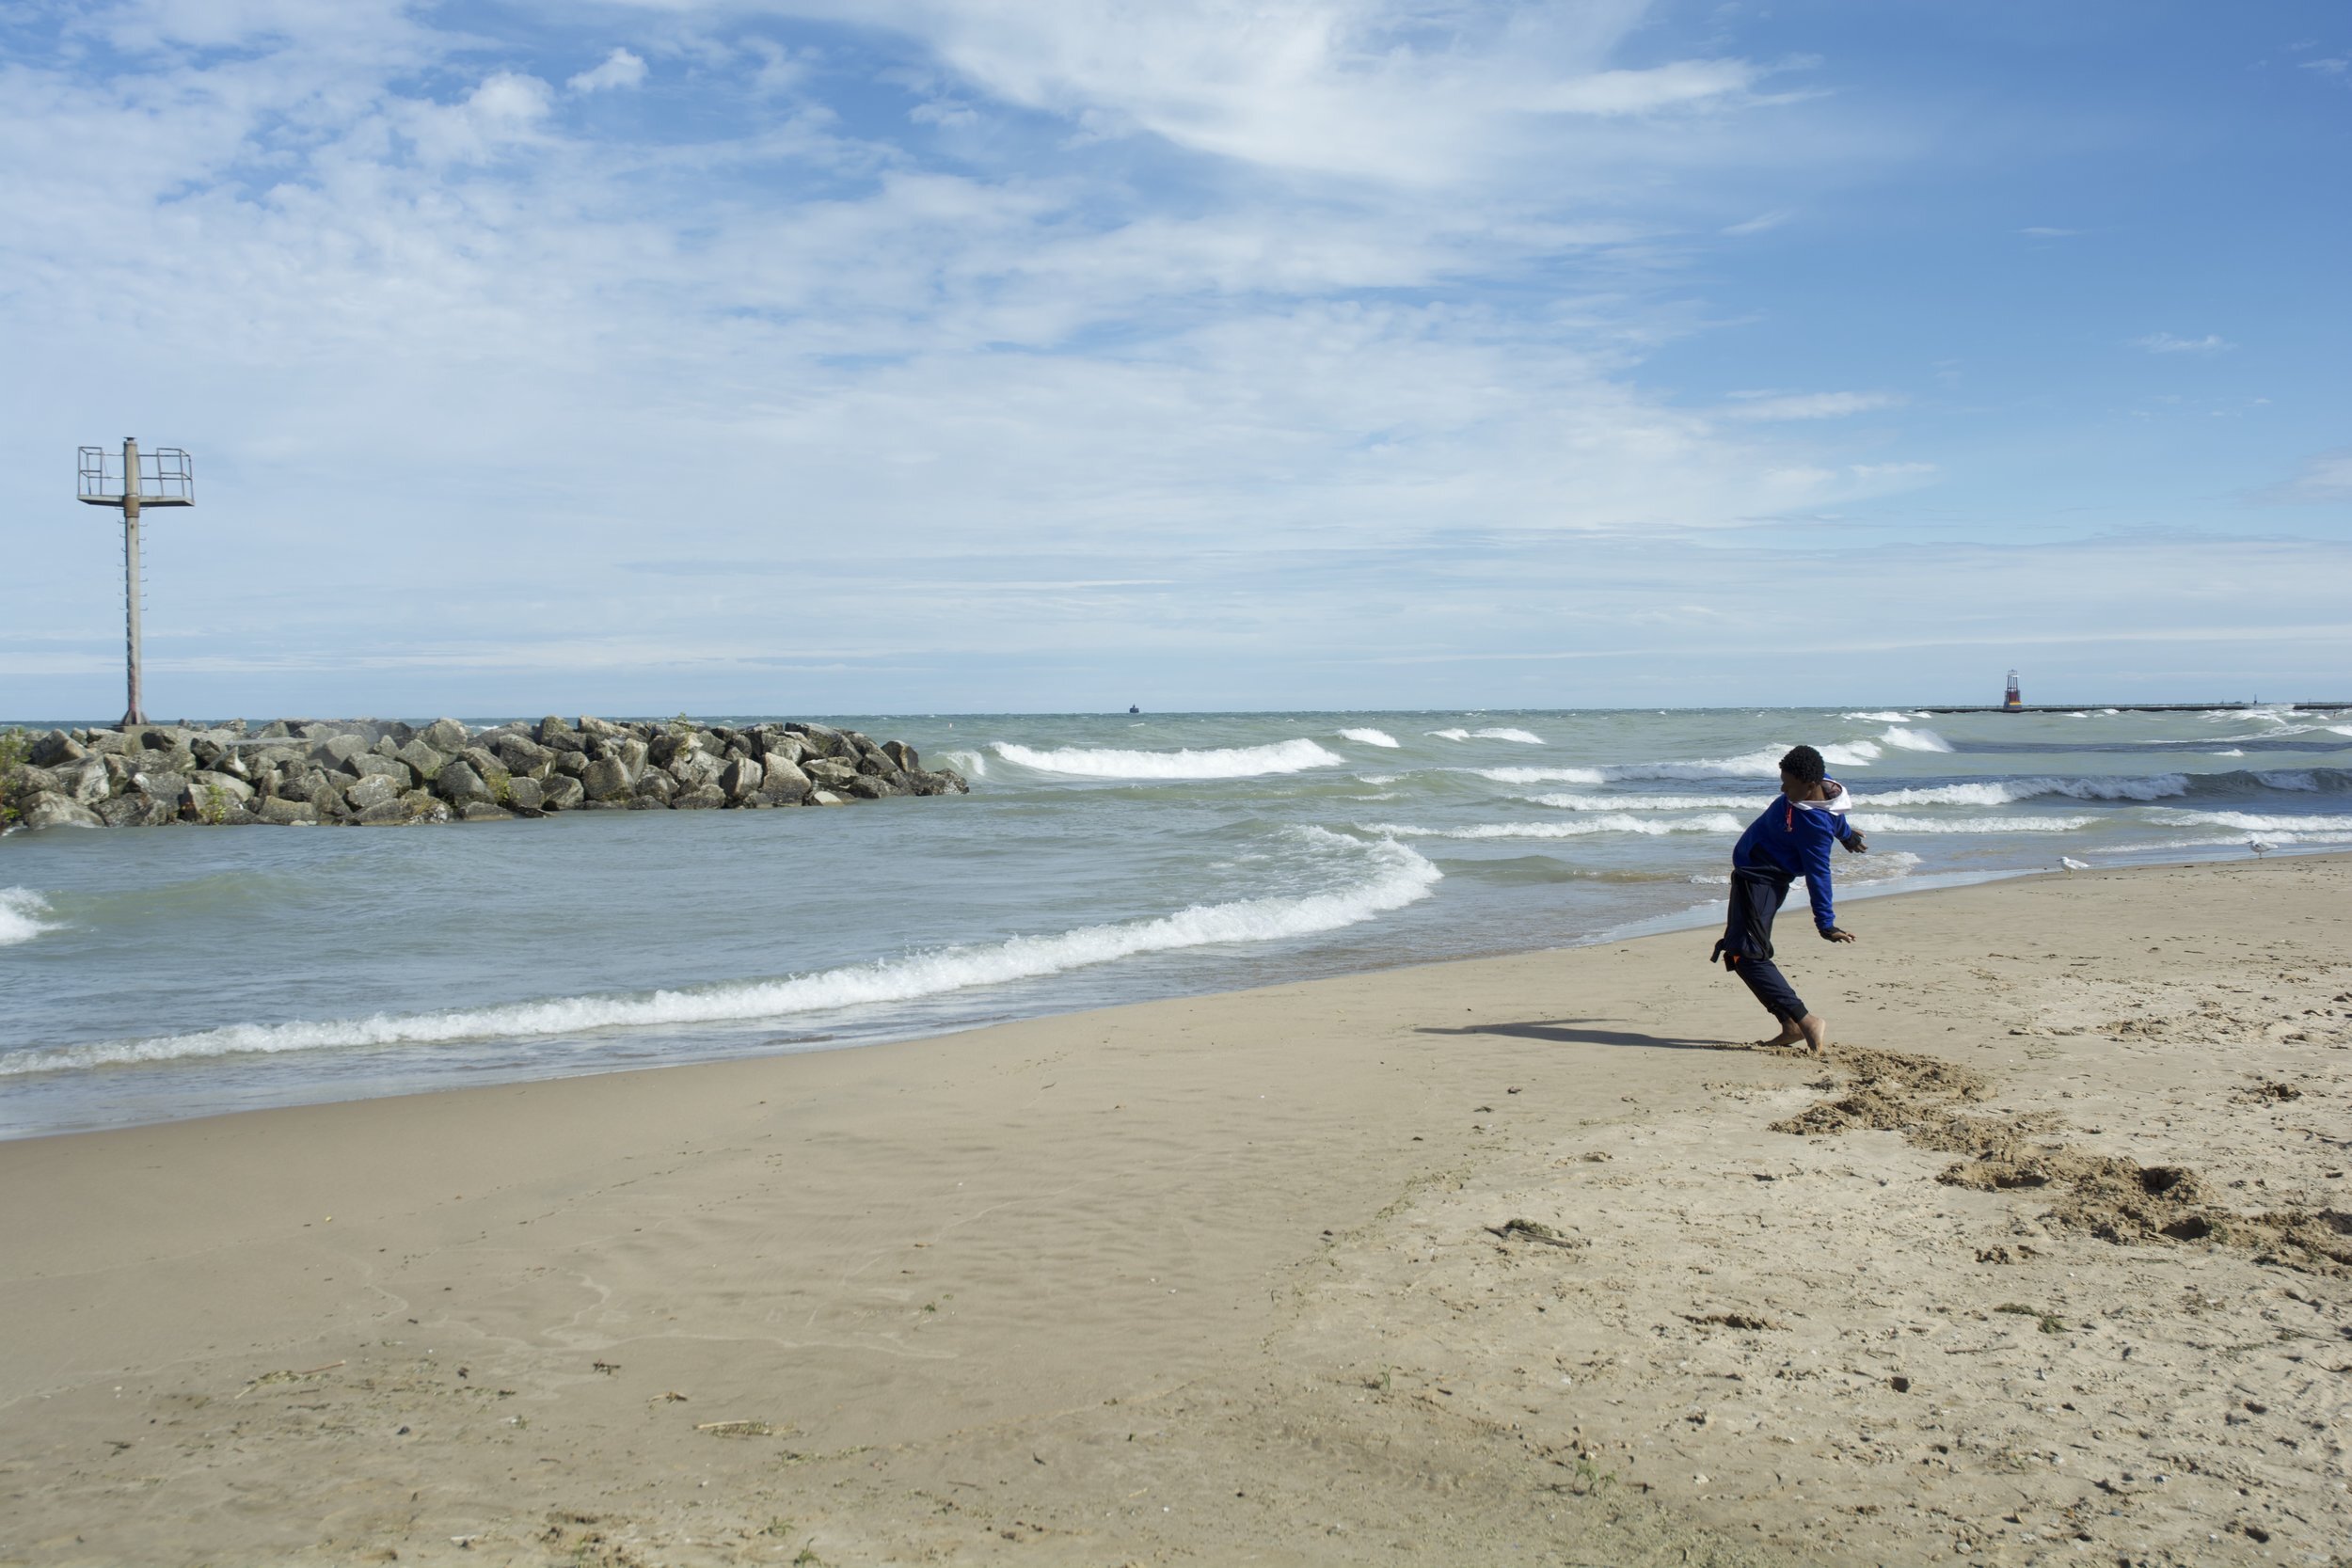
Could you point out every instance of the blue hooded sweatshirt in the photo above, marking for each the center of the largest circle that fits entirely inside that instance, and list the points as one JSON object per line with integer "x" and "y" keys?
{"x": 1792, "y": 838}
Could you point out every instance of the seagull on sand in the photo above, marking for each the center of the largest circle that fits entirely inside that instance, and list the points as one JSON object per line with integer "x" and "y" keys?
{"x": 2260, "y": 848}
{"x": 2072, "y": 865}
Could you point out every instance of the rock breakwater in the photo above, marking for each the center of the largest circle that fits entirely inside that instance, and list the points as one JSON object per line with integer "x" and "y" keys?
{"x": 371, "y": 773}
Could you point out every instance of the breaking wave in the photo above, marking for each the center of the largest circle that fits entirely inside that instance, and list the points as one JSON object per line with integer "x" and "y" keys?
{"x": 2253, "y": 822}
{"x": 1878, "y": 822}
{"x": 1581, "y": 828}
{"x": 20, "y": 912}
{"x": 1911, "y": 739}
{"x": 1520, "y": 738}
{"x": 1542, "y": 775}
{"x": 1371, "y": 738}
{"x": 1235, "y": 762}
{"x": 1400, "y": 877}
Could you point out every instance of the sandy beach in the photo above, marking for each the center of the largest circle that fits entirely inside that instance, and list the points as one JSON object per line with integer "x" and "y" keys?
{"x": 1520, "y": 1259}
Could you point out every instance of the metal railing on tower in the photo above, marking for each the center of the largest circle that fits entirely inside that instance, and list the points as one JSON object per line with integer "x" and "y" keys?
{"x": 132, "y": 482}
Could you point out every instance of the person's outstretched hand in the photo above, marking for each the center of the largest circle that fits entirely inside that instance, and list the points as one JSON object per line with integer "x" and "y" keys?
{"x": 1857, "y": 845}
{"x": 1835, "y": 934}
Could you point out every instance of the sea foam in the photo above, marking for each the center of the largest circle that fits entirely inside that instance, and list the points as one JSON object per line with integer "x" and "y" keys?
{"x": 1520, "y": 738}
{"x": 1233, "y": 762}
{"x": 1399, "y": 877}
{"x": 1371, "y": 738}
{"x": 1915, "y": 738}
{"x": 1582, "y": 827}
{"x": 20, "y": 912}
{"x": 1878, "y": 822}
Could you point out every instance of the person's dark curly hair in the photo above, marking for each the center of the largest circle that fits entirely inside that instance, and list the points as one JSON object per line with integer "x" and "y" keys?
{"x": 1804, "y": 763}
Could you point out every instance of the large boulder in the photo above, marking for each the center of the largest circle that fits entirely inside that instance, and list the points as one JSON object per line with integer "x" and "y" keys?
{"x": 482, "y": 810}
{"x": 604, "y": 780}
{"x": 570, "y": 764}
{"x": 458, "y": 783}
{"x": 776, "y": 743}
{"x": 54, "y": 750}
{"x": 828, "y": 772}
{"x": 708, "y": 797}
{"x": 866, "y": 787}
{"x": 557, "y": 735}
{"x": 132, "y": 811}
{"x": 902, "y": 756}
{"x": 519, "y": 755}
{"x": 422, "y": 759}
{"x": 387, "y": 813}
{"x": 48, "y": 809}
{"x": 656, "y": 785}
{"x": 822, "y": 740}
{"x": 446, "y": 735}
{"x": 372, "y": 791}
{"x": 373, "y": 764}
{"x": 85, "y": 781}
{"x": 286, "y": 813}
{"x": 592, "y": 727}
{"x": 694, "y": 769}
{"x": 169, "y": 790}
{"x": 741, "y": 778}
{"x": 336, "y": 751}
{"x": 424, "y": 807}
{"x": 561, "y": 793}
{"x": 524, "y": 792}
{"x": 782, "y": 783}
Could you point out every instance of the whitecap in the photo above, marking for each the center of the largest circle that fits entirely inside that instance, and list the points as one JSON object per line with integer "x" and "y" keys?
{"x": 1915, "y": 740}
{"x": 1881, "y": 718}
{"x": 1652, "y": 803}
{"x": 1581, "y": 828}
{"x": 20, "y": 912}
{"x": 2001, "y": 792}
{"x": 2255, "y": 823}
{"x": 970, "y": 764}
{"x": 1519, "y": 737}
{"x": 1875, "y": 822}
{"x": 1399, "y": 877}
{"x": 1235, "y": 762}
{"x": 1449, "y": 735}
{"x": 1371, "y": 738}
{"x": 1847, "y": 753}
{"x": 1542, "y": 775}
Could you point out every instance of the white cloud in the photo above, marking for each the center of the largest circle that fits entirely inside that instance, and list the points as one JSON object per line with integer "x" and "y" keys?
{"x": 620, "y": 69}
{"x": 2039, "y": 233}
{"x": 2325, "y": 478}
{"x": 1364, "y": 89}
{"x": 1808, "y": 406}
{"x": 2164, "y": 343}
{"x": 1761, "y": 222}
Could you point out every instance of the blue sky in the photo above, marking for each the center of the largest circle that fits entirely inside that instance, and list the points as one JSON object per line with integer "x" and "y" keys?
{"x": 906, "y": 354}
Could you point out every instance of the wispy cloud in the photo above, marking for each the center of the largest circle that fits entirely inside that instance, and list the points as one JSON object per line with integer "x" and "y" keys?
{"x": 619, "y": 68}
{"x": 2164, "y": 343}
{"x": 1808, "y": 406}
{"x": 2039, "y": 233}
{"x": 2327, "y": 478}
{"x": 1762, "y": 221}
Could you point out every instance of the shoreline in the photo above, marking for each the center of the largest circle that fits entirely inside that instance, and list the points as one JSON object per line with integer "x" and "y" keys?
{"x": 1249, "y": 1259}
{"x": 1695, "y": 917}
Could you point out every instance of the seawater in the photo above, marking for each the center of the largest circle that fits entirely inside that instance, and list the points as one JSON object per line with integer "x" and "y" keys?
{"x": 153, "y": 974}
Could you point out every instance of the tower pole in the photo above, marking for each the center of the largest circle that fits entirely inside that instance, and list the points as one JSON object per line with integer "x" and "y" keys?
{"x": 131, "y": 576}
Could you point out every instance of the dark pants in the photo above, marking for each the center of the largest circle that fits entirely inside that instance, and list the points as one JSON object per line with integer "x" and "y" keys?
{"x": 1746, "y": 945}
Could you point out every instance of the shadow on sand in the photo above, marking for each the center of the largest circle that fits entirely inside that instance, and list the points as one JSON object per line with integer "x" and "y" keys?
{"x": 1570, "y": 1031}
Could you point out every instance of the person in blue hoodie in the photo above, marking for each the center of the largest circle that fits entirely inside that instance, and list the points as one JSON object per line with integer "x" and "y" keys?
{"x": 1789, "y": 840}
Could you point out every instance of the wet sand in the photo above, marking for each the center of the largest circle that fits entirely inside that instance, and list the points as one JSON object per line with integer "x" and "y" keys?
{"x": 1511, "y": 1260}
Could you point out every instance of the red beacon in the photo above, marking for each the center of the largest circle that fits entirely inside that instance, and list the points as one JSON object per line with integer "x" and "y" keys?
{"x": 2010, "y": 701}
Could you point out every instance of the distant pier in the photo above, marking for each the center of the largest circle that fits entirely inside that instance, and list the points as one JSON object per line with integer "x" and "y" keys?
{"x": 2127, "y": 707}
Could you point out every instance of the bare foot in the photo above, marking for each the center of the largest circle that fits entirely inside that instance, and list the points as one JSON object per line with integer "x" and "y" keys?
{"x": 1815, "y": 1033}
{"x": 1789, "y": 1035}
